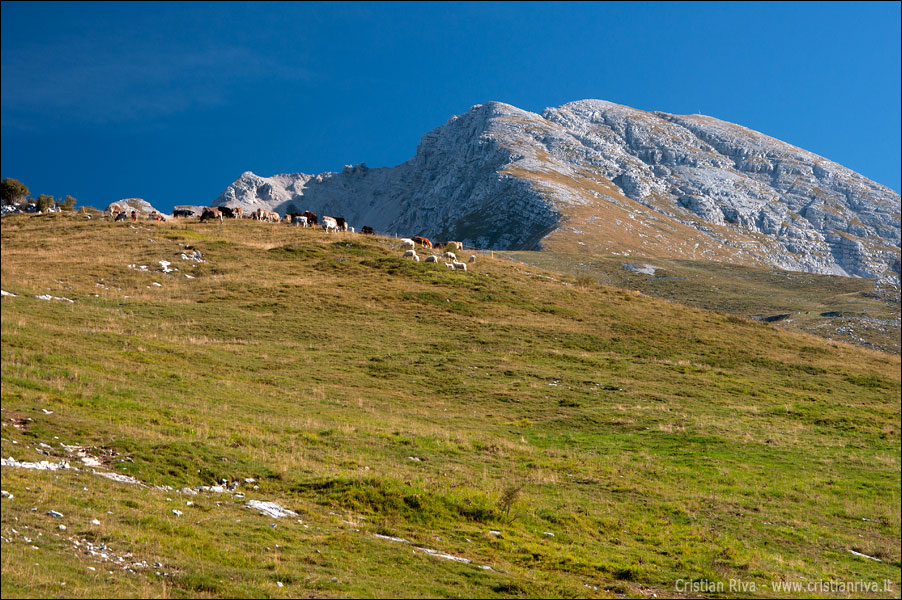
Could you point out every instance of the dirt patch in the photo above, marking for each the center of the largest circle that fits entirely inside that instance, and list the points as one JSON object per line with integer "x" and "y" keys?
{"x": 16, "y": 420}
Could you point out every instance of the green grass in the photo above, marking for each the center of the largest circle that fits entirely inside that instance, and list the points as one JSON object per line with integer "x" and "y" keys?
{"x": 373, "y": 395}
{"x": 836, "y": 308}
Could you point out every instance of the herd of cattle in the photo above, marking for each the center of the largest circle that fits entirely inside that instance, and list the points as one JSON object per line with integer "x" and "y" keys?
{"x": 299, "y": 219}
{"x": 309, "y": 219}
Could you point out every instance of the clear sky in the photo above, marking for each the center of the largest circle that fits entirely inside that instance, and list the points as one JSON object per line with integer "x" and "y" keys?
{"x": 171, "y": 102}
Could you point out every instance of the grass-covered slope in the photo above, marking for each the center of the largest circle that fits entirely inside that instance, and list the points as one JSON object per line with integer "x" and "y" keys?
{"x": 850, "y": 309}
{"x": 576, "y": 440}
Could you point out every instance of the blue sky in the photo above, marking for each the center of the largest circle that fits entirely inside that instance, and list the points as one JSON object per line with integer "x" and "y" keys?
{"x": 171, "y": 102}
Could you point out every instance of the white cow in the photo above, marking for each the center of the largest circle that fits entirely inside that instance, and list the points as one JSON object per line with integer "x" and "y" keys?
{"x": 330, "y": 224}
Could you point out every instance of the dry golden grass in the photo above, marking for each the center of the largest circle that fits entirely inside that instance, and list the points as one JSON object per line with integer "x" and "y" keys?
{"x": 374, "y": 395}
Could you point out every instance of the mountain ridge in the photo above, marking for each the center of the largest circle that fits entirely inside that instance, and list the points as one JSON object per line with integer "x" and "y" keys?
{"x": 596, "y": 176}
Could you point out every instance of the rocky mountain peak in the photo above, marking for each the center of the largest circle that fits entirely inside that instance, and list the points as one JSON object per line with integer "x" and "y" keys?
{"x": 595, "y": 176}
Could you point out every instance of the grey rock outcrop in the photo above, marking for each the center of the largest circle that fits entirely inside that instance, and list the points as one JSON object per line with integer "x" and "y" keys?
{"x": 139, "y": 205}
{"x": 614, "y": 179}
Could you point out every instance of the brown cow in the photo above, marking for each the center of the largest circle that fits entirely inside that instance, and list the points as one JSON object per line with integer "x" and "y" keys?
{"x": 211, "y": 213}
{"x": 422, "y": 241}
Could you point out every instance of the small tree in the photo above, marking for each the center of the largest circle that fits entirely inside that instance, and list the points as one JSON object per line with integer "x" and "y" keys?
{"x": 12, "y": 191}
{"x": 44, "y": 202}
{"x": 69, "y": 203}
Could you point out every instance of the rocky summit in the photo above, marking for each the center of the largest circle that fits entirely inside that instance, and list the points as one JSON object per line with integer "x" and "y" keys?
{"x": 598, "y": 177}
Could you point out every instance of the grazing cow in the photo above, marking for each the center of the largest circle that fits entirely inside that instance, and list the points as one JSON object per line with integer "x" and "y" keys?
{"x": 411, "y": 254}
{"x": 183, "y": 213}
{"x": 459, "y": 266}
{"x": 432, "y": 259}
{"x": 262, "y": 214}
{"x": 238, "y": 212}
{"x": 122, "y": 216}
{"x": 422, "y": 241}
{"x": 299, "y": 220}
{"x": 450, "y": 255}
{"x": 454, "y": 246}
{"x": 472, "y": 258}
{"x": 408, "y": 243}
{"x": 211, "y": 213}
{"x": 226, "y": 212}
{"x": 342, "y": 224}
{"x": 330, "y": 224}
{"x": 311, "y": 218}
{"x": 367, "y": 230}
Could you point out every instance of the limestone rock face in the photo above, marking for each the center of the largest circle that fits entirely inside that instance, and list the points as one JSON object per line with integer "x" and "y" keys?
{"x": 596, "y": 176}
{"x": 143, "y": 207}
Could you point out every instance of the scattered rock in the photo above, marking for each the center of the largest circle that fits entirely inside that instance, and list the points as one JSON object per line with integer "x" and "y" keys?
{"x": 38, "y": 466}
{"x": 119, "y": 477}
{"x": 270, "y": 509}
{"x": 641, "y": 268}
{"x": 865, "y": 556}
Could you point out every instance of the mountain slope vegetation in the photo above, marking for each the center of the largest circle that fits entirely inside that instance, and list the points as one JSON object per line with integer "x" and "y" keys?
{"x": 502, "y": 432}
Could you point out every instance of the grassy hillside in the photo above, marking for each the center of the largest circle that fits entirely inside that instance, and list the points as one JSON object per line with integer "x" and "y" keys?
{"x": 567, "y": 439}
{"x": 847, "y": 309}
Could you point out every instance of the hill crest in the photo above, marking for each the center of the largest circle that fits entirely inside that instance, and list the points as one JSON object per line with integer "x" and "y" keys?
{"x": 596, "y": 176}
